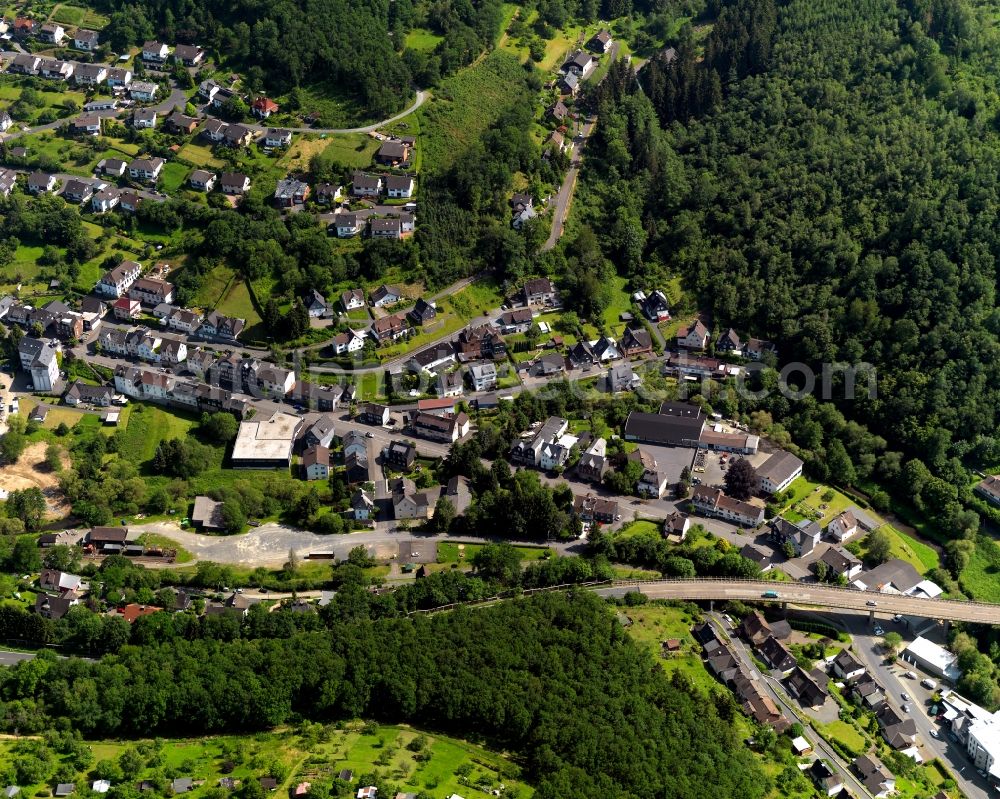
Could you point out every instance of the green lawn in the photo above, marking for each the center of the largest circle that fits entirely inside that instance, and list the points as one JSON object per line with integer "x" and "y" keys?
{"x": 475, "y": 299}
{"x": 642, "y": 527}
{"x": 200, "y": 155}
{"x": 445, "y": 324}
{"x": 919, "y": 555}
{"x": 172, "y": 177}
{"x": 422, "y": 40}
{"x": 461, "y": 553}
{"x": 847, "y": 734}
{"x": 349, "y": 149}
{"x": 211, "y": 288}
{"x": 237, "y": 303}
{"x": 979, "y": 578}
{"x": 147, "y": 426}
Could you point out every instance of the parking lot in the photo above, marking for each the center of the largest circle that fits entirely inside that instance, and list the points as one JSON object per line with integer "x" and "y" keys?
{"x": 670, "y": 460}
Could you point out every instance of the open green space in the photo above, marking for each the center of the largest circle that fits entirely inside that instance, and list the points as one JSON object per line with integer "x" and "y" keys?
{"x": 845, "y": 733}
{"x": 399, "y": 757}
{"x": 237, "y": 303}
{"x": 422, "y": 40}
{"x": 349, "y": 149}
{"x": 147, "y": 426}
{"x": 68, "y": 15}
{"x": 476, "y": 299}
{"x": 201, "y": 155}
{"x": 980, "y": 578}
{"x": 212, "y": 287}
{"x": 457, "y": 552}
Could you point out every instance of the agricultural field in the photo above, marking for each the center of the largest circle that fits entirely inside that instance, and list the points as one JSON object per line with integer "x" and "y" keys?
{"x": 394, "y": 758}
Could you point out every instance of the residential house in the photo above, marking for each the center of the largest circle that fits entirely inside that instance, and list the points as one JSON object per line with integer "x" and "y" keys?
{"x": 352, "y": 300}
{"x": 729, "y": 342}
{"x": 714, "y": 502}
{"x": 528, "y": 451}
{"x": 652, "y": 484}
{"x": 263, "y": 107}
{"x": 40, "y": 182}
{"x": 867, "y": 692}
{"x": 557, "y": 142}
{"x": 758, "y": 556}
{"x": 989, "y": 489}
{"x": 173, "y": 351}
{"x": 214, "y": 130}
{"x": 87, "y": 124}
{"x": 23, "y": 26}
{"x": 202, "y": 180}
{"x": 755, "y": 629}
{"x": 84, "y": 39}
{"x": 316, "y": 463}
{"x": 155, "y": 52}
{"x": 899, "y": 732}
{"x": 592, "y": 509}
{"x": 277, "y": 137}
{"x": 328, "y": 193}
{"x": 190, "y": 55}
{"x": 55, "y": 607}
{"x": 828, "y": 781}
{"x": 450, "y": 384}
{"x": 756, "y": 349}
{"x": 877, "y": 779}
{"x": 234, "y": 183}
{"x": 181, "y": 123}
{"x": 80, "y": 393}
{"x": 126, "y": 309}
{"x": 481, "y": 342}
{"x": 365, "y": 185}
{"x": 143, "y": 91}
{"x": 105, "y": 200}
{"x": 392, "y": 152}
{"x": 846, "y": 666}
{"x": 581, "y": 65}
{"x": 216, "y": 325}
{"x": 38, "y": 358}
{"x": 600, "y": 42}
{"x": 90, "y": 74}
{"x": 518, "y": 321}
{"x": 354, "y": 443}
{"x": 291, "y": 192}
{"x": 348, "y": 225}
{"x": 593, "y": 463}
{"x": 101, "y": 104}
{"x": 386, "y": 295}
{"x": 151, "y": 291}
{"x": 388, "y": 228}
{"x": 448, "y": 428}
{"x": 146, "y": 169}
{"x": 57, "y": 70}
{"x": 237, "y": 136}
{"x": 112, "y": 167}
{"x": 408, "y": 503}
{"x": 398, "y": 187}
{"x": 539, "y": 291}
{"x": 52, "y": 32}
{"x": 183, "y": 320}
{"x": 321, "y": 433}
{"x": 129, "y": 201}
{"x": 362, "y": 505}
{"x": 422, "y": 312}
{"x": 351, "y": 341}
{"x": 801, "y": 537}
{"x": 316, "y": 304}
{"x": 776, "y": 655}
{"x": 676, "y": 526}
{"x": 548, "y": 365}
{"x": 635, "y": 342}
{"x": 778, "y": 472}
{"x": 274, "y": 380}
{"x": 25, "y": 64}
{"x": 389, "y": 328}
{"x": 373, "y": 413}
{"x": 208, "y": 89}
{"x": 809, "y": 687}
{"x": 400, "y": 455}
{"x": 840, "y": 562}
{"x": 118, "y": 280}
{"x": 843, "y": 526}
{"x": 144, "y": 118}
{"x": 118, "y": 77}
{"x": 483, "y": 376}
{"x": 693, "y": 337}
{"x": 622, "y": 378}
{"x": 557, "y": 111}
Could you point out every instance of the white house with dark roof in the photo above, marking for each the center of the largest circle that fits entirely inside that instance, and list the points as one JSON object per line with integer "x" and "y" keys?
{"x": 778, "y": 472}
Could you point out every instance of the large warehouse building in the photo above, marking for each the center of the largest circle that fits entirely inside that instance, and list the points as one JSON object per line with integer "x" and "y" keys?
{"x": 266, "y": 443}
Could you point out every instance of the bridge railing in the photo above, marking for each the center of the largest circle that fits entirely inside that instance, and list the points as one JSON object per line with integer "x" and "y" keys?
{"x": 772, "y": 585}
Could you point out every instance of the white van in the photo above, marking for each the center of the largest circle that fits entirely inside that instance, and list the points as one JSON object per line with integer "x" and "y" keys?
{"x": 929, "y": 684}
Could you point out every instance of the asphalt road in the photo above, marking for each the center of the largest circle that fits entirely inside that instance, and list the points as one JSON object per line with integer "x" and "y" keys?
{"x": 824, "y": 596}
{"x": 868, "y": 650}
{"x": 560, "y": 207}
{"x": 13, "y": 658}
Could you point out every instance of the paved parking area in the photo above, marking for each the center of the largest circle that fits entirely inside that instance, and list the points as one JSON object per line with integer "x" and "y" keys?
{"x": 671, "y": 460}
{"x": 417, "y": 551}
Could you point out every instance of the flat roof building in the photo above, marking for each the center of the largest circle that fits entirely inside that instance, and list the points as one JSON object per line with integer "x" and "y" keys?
{"x": 932, "y": 658}
{"x": 267, "y": 443}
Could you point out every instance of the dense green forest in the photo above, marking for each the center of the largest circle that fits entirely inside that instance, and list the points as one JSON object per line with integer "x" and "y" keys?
{"x": 830, "y": 184}
{"x": 555, "y": 678}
